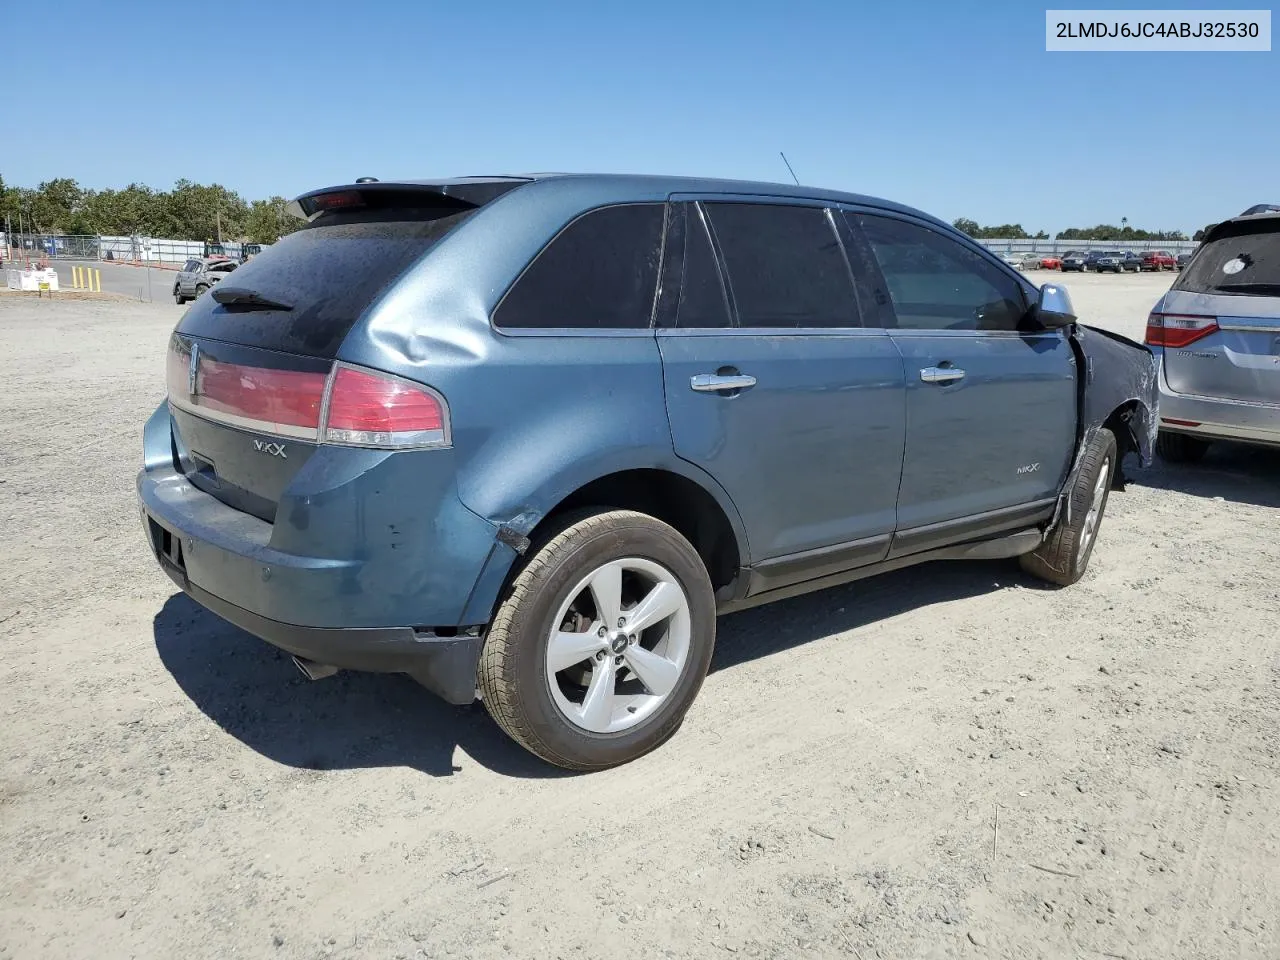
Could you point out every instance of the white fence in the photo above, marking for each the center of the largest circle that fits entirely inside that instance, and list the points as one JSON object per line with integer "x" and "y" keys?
{"x": 1062, "y": 246}
{"x": 153, "y": 250}
{"x": 157, "y": 250}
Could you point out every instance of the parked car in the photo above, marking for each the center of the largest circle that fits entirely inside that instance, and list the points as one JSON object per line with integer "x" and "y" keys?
{"x": 1183, "y": 260}
{"x": 1012, "y": 259}
{"x": 1051, "y": 261}
{"x": 1132, "y": 262}
{"x": 1103, "y": 261}
{"x": 382, "y": 449}
{"x": 1031, "y": 260}
{"x": 1217, "y": 335}
{"x": 1156, "y": 260}
{"x": 1074, "y": 260}
{"x": 198, "y": 275}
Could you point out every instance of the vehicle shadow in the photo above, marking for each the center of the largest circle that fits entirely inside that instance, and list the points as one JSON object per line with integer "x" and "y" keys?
{"x": 1233, "y": 471}
{"x": 347, "y": 721}
{"x": 762, "y": 631}
{"x": 356, "y": 720}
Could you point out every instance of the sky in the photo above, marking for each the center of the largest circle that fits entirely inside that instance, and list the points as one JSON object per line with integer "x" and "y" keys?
{"x": 950, "y": 107}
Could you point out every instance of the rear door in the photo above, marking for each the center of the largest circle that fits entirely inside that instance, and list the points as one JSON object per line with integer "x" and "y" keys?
{"x": 991, "y": 410}
{"x": 775, "y": 388}
{"x": 1224, "y": 312}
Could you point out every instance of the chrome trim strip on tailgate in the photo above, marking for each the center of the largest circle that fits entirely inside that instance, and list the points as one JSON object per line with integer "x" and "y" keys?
{"x": 245, "y": 423}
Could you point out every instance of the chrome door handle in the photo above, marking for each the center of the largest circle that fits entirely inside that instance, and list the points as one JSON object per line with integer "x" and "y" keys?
{"x": 941, "y": 374}
{"x": 715, "y": 382}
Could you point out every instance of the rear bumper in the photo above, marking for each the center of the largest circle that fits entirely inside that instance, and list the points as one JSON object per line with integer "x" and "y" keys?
{"x": 444, "y": 665}
{"x": 373, "y": 563}
{"x": 1218, "y": 419}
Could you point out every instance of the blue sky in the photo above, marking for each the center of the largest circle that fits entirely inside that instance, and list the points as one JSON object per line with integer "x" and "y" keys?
{"x": 953, "y": 108}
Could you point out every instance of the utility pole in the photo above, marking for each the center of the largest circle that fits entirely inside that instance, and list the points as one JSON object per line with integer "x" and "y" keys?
{"x": 218, "y": 213}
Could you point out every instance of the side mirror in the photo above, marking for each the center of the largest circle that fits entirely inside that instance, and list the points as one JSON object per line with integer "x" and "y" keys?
{"x": 1053, "y": 309}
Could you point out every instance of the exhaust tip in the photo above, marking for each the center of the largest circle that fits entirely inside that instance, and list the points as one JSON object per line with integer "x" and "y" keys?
{"x": 312, "y": 670}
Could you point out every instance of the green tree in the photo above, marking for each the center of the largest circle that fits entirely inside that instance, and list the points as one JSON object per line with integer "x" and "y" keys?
{"x": 965, "y": 225}
{"x": 200, "y": 212}
{"x": 268, "y": 221}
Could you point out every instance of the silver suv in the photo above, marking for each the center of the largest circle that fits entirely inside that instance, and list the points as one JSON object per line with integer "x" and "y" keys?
{"x": 1217, "y": 333}
{"x": 198, "y": 275}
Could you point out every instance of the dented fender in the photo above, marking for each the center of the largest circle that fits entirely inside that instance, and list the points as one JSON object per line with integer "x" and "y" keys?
{"x": 1115, "y": 373}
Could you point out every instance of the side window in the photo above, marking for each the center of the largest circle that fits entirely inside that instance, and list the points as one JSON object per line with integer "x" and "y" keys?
{"x": 599, "y": 272}
{"x": 191, "y": 266}
{"x": 936, "y": 283}
{"x": 785, "y": 264}
{"x": 702, "y": 301}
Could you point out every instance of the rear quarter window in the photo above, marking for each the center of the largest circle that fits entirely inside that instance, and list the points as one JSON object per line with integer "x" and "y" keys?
{"x": 599, "y": 272}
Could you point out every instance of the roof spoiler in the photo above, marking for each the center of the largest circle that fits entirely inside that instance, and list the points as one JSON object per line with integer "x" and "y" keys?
{"x": 462, "y": 194}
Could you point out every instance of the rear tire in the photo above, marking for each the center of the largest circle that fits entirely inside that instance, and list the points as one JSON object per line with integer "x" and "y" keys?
{"x": 1180, "y": 448}
{"x": 1064, "y": 557}
{"x": 201, "y": 290}
{"x": 562, "y": 595}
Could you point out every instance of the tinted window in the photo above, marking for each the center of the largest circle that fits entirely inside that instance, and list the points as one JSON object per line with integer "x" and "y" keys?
{"x": 702, "y": 302}
{"x": 1245, "y": 258}
{"x": 937, "y": 283}
{"x": 785, "y": 265}
{"x": 191, "y": 266}
{"x": 329, "y": 272}
{"x": 600, "y": 272}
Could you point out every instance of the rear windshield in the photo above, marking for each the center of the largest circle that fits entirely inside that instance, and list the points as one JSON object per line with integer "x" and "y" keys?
{"x": 328, "y": 273}
{"x": 1244, "y": 260}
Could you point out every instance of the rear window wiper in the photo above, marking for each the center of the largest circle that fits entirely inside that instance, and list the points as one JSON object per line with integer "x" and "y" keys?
{"x": 1272, "y": 289}
{"x": 243, "y": 297}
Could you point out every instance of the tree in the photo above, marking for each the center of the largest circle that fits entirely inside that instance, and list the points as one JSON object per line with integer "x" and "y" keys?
{"x": 268, "y": 221}
{"x": 1004, "y": 231}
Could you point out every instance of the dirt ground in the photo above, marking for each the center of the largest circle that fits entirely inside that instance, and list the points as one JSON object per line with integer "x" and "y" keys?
{"x": 950, "y": 761}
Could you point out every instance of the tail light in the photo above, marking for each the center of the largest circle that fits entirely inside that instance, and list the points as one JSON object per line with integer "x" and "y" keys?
{"x": 348, "y": 405}
{"x": 368, "y": 409}
{"x": 1178, "y": 329}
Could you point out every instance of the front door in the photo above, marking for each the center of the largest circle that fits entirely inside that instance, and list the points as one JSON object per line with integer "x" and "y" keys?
{"x": 775, "y": 389}
{"x": 991, "y": 410}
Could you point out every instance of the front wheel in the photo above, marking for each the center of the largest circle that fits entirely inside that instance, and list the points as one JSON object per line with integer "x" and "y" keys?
{"x": 178, "y": 298}
{"x": 1064, "y": 556}
{"x": 602, "y": 642}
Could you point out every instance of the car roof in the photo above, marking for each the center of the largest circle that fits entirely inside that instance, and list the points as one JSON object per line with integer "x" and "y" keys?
{"x": 1269, "y": 217}
{"x": 625, "y": 186}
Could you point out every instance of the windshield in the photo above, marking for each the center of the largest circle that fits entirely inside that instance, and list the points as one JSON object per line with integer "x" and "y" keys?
{"x": 1245, "y": 258}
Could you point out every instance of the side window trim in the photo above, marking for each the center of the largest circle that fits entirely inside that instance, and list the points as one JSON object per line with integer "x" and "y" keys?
{"x": 726, "y": 288}
{"x": 869, "y": 282}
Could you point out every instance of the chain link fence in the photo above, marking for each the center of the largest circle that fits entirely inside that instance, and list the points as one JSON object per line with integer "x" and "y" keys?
{"x": 143, "y": 250}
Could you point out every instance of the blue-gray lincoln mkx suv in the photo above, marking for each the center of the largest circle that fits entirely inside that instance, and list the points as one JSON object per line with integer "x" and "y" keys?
{"x": 523, "y": 438}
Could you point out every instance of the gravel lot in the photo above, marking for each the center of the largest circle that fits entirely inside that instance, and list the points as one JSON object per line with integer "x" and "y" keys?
{"x": 943, "y": 762}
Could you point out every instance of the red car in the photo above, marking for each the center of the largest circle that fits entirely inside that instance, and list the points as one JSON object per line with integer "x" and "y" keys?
{"x": 1159, "y": 260}
{"x": 1051, "y": 262}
